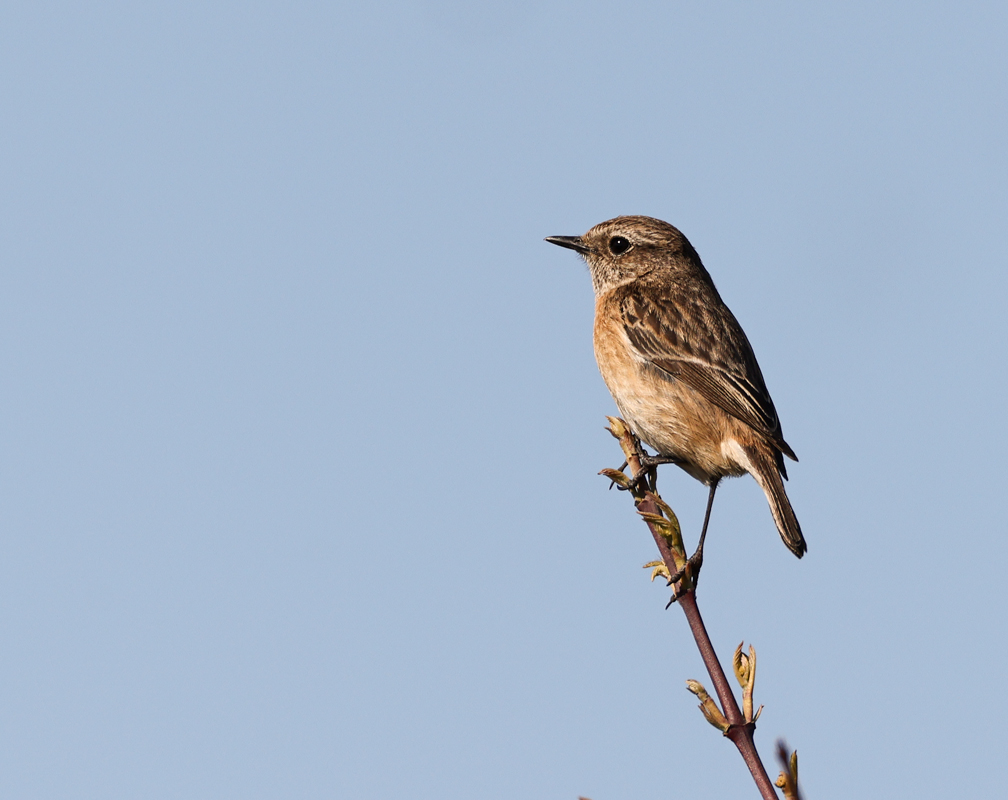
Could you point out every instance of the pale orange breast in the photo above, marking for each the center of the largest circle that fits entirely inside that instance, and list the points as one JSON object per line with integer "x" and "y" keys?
{"x": 664, "y": 412}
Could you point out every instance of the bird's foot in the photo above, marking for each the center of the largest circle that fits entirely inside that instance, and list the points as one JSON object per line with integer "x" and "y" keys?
{"x": 692, "y": 569}
{"x": 648, "y": 464}
{"x": 634, "y": 483}
{"x": 618, "y": 477}
{"x": 647, "y": 461}
{"x": 641, "y": 482}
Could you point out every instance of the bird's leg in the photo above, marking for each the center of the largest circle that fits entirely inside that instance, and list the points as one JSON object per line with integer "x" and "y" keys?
{"x": 648, "y": 465}
{"x": 644, "y": 480}
{"x": 647, "y": 462}
{"x": 695, "y": 561}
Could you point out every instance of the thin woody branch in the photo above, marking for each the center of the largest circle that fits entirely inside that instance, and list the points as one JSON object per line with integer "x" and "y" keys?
{"x": 664, "y": 527}
{"x": 787, "y": 781}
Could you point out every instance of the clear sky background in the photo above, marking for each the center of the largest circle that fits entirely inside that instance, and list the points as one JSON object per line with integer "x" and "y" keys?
{"x": 300, "y": 421}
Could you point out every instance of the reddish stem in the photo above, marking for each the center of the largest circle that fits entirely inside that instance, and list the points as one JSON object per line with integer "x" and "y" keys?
{"x": 740, "y": 732}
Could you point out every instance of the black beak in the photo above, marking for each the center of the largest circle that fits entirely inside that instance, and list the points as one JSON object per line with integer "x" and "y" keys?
{"x": 570, "y": 242}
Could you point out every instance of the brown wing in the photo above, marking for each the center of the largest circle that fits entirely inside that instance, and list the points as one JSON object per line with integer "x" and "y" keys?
{"x": 697, "y": 340}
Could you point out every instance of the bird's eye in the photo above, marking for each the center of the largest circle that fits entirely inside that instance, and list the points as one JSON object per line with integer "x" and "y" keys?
{"x": 618, "y": 245}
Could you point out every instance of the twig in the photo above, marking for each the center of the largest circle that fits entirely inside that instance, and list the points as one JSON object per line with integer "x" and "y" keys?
{"x": 673, "y": 555}
{"x": 787, "y": 781}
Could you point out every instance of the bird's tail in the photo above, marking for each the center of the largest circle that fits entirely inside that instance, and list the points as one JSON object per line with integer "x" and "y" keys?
{"x": 769, "y": 478}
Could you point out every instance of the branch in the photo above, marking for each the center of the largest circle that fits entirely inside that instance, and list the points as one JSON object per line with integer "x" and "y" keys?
{"x": 668, "y": 537}
{"x": 787, "y": 781}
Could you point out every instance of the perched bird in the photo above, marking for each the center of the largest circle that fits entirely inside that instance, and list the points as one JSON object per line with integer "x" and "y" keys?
{"x": 678, "y": 365}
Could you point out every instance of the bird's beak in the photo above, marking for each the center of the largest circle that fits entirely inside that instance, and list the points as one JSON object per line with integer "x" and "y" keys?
{"x": 570, "y": 242}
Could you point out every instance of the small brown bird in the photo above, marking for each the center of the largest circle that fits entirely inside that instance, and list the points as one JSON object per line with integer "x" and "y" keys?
{"x": 678, "y": 365}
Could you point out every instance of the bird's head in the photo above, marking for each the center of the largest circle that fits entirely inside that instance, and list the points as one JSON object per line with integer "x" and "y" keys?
{"x": 623, "y": 249}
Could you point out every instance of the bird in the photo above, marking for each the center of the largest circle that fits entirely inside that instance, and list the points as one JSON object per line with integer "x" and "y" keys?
{"x": 679, "y": 366}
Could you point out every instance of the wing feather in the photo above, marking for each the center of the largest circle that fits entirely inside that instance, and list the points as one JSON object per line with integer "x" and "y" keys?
{"x": 708, "y": 352}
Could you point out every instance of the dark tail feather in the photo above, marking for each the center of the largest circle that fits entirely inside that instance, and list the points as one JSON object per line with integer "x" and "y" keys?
{"x": 769, "y": 479}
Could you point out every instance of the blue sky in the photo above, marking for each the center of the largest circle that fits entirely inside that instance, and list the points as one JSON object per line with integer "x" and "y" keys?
{"x": 301, "y": 423}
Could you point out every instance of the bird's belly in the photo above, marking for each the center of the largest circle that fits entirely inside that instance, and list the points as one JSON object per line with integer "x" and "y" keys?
{"x": 674, "y": 419}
